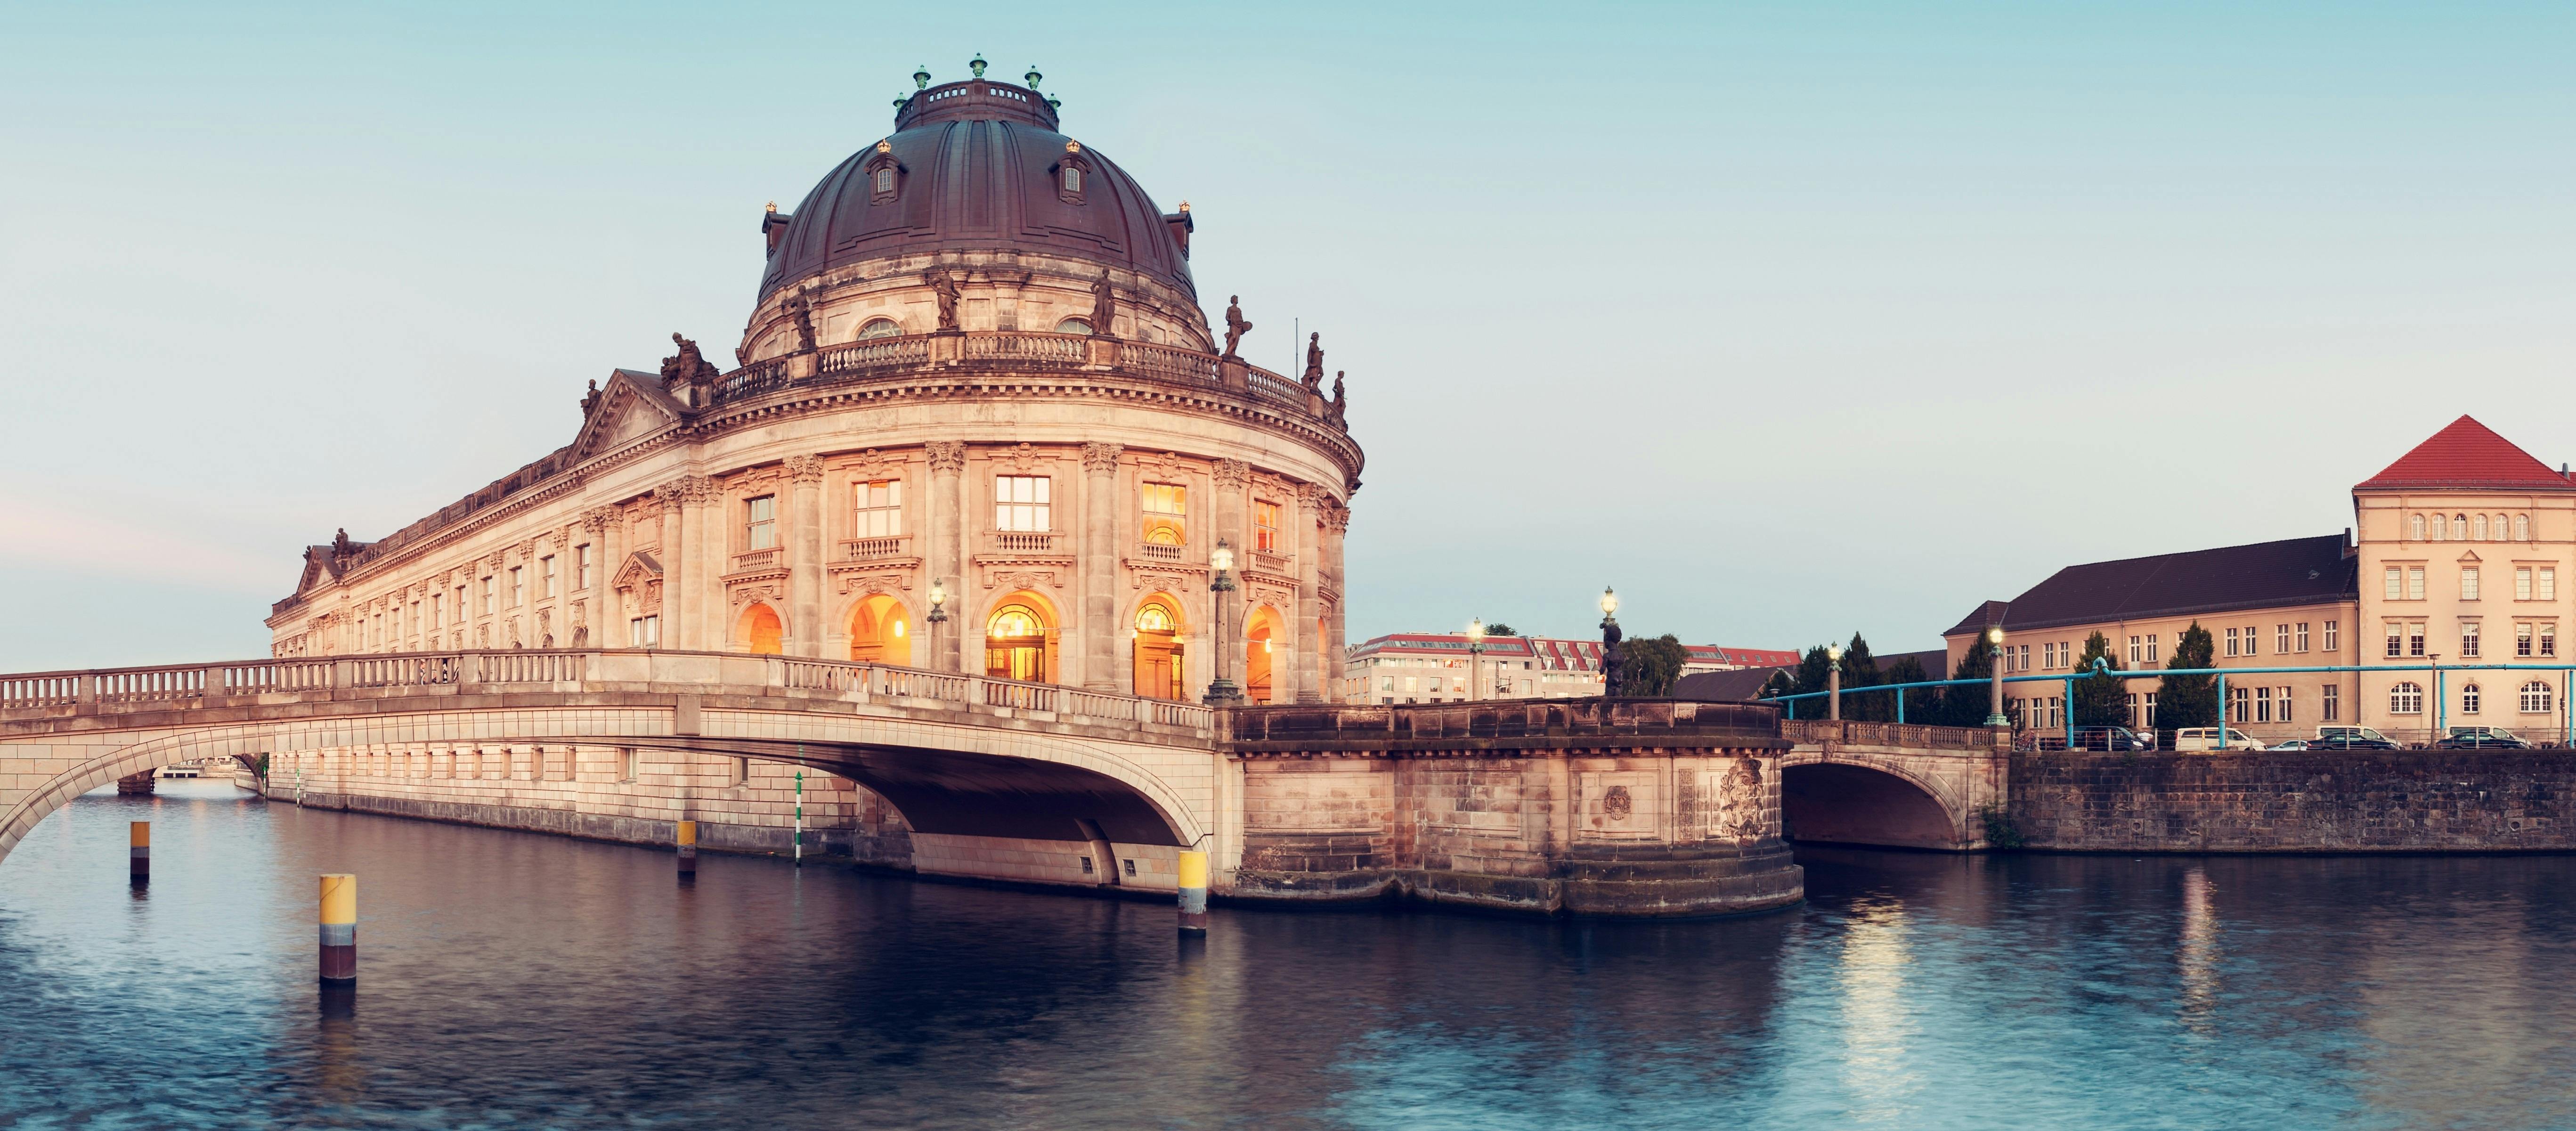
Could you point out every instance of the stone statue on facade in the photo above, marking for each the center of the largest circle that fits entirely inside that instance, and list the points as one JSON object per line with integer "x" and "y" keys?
{"x": 1235, "y": 325}
{"x": 590, "y": 400}
{"x": 1337, "y": 394}
{"x": 944, "y": 285}
{"x": 1611, "y": 683}
{"x": 1314, "y": 374}
{"x": 687, "y": 367}
{"x": 802, "y": 310}
{"x": 1104, "y": 305}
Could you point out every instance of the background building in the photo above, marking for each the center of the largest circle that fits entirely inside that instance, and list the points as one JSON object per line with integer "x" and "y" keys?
{"x": 1432, "y": 667}
{"x": 2456, "y": 554}
{"x": 976, "y": 368}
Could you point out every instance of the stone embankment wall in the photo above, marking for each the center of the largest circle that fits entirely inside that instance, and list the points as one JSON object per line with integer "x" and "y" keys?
{"x": 2338, "y": 801}
{"x": 741, "y": 805}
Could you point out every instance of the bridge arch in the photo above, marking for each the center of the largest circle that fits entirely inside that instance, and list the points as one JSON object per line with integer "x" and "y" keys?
{"x": 1867, "y": 801}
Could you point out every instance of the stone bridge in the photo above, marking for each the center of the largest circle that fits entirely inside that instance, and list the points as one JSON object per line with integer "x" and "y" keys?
{"x": 1618, "y": 807}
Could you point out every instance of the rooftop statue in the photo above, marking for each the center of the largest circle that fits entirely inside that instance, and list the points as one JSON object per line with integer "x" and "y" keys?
{"x": 1314, "y": 375}
{"x": 1104, "y": 305}
{"x": 590, "y": 400}
{"x": 802, "y": 310}
{"x": 687, "y": 366}
{"x": 945, "y": 286}
{"x": 1235, "y": 325}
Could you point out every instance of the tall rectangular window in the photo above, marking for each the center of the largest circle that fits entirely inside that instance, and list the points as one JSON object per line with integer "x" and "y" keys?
{"x": 760, "y": 523}
{"x": 2548, "y": 640}
{"x": 880, "y": 508}
{"x": 645, "y": 632}
{"x": 2468, "y": 640}
{"x": 2236, "y": 700}
{"x": 2136, "y": 656}
{"x": 2522, "y": 639}
{"x": 2330, "y": 702}
{"x": 2548, "y": 590}
{"x": 2468, "y": 583}
{"x": 2303, "y": 636}
{"x": 435, "y": 601}
{"x": 1020, "y": 503}
{"x": 2280, "y": 639}
{"x": 2151, "y": 710}
{"x": 1265, "y": 526}
{"x": 2522, "y": 583}
{"x": 518, "y": 586}
{"x": 2393, "y": 583}
{"x": 1167, "y": 507}
{"x": 2151, "y": 649}
{"x": 546, "y": 576}
{"x": 2262, "y": 704}
{"x": 2414, "y": 640}
{"x": 581, "y": 566}
{"x": 2396, "y": 639}
{"x": 2231, "y": 642}
{"x": 487, "y": 596}
{"x": 2332, "y": 634}
{"x": 2285, "y": 704}
{"x": 2414, "y": 583}
{"x": 2252, "y": 637}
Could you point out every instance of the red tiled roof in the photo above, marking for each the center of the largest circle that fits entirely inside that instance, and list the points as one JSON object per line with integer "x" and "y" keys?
{"x": 2467, "y": 454}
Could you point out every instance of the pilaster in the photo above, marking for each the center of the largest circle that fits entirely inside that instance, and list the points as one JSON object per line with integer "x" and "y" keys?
{"x": 1311, "y": 501}
{"x": 805, "y": 555}
{"x": 1100, "y": 514}
{"x": 946, "y": 558}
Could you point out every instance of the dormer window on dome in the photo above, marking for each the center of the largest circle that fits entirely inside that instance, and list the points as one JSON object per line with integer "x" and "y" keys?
{"x": 884, "y": 173}
{"x": 1071, "y": 173}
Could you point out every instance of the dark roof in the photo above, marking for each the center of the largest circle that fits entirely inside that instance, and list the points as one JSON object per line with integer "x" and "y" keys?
{"x": 2467, "y": 454}
{"x": 1735, "y": 685}
{"x": 1986, "y": 613}
{"x": 978, "y": 171}
{"x": 2296, "y": 571}
{"x": 1936, "y": 663}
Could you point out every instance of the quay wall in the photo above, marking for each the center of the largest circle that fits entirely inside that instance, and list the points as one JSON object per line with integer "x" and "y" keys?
{"x": 2296, "y": 801}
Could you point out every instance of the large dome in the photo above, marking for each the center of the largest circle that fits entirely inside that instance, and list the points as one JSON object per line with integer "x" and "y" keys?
{"x": 977, "y": 166}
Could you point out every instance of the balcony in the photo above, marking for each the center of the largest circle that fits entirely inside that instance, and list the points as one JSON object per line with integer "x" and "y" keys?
{"x": 1157, "y": 552}
{"x": 1282, "y": 565}
{"x": 751, "y": 560}
{"x": 1024, "y": 541}
{"x": 873, "y": 549}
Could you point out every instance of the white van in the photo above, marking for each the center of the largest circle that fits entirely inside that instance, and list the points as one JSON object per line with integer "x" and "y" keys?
{"x": 2206, "y": 738}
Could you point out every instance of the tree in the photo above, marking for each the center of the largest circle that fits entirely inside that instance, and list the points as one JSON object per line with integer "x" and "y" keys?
{"x": 1780, "y": 683}
{"x": 2100, "y": 700}
{"x": 1647, "y": 668}
{"x": 1810, "y": 681}
{"x": 1967, "y": 704}
{"x": 2188, "y": 700}
{"x": 1498, "y": 628}
{"x": 1922, "y": 704}
{"x": 1860, "y": 669}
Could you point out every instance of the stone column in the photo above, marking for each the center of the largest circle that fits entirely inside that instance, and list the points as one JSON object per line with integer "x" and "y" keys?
{"x": 677, "y": 566}
{"x": 709, "y": 525}
{"x": 1311, "y": 501}
{"x": 607, "y": 529}
{"x": 1233, "y": 477}
{"x": 1337, "y": 522}
{"x": 946, "y": 559}
{"x": 1100, "y": 514}
{"x": 805, "y": 555}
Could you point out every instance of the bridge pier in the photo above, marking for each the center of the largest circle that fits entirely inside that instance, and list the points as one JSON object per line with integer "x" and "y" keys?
{"x": 135, "y": 785}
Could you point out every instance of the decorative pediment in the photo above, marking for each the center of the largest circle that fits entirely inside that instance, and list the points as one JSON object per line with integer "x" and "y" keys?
{"x": 639, "y": 568}
{"x": 627, "y": 410}
{"x": 2470, "y": 556}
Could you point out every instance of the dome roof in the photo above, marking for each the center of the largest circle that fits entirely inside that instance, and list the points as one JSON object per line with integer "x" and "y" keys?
{"x": 978, "y": 167}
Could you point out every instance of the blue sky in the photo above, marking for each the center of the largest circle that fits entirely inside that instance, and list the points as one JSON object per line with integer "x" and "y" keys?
{"x": 1788, "y": 320}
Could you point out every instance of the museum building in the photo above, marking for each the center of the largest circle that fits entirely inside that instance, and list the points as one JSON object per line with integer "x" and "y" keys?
{"x": 980, "y": 423}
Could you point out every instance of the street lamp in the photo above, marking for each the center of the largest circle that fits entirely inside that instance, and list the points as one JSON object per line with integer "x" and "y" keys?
{"x": 1475, "y": 649}
{"x": 1834, "y": 682}
{"x": 1221, "y": 691}
{"x": 1610, "y": 681}
{"x": 938, "y": 620}
{"x": 1995, "y": 677}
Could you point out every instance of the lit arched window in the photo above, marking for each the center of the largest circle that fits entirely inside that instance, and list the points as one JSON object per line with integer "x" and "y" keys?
{"x": 2441, "y": 528}
{"x": 2415, "y": 528}
{"x": 1154, "y": 618}
{"x": 2480, "y": 524}
{"x": 2535, "y": 698}
{"x": 2406, "y": 699}
{"x": 1015, "y": 621}
{"x": 2469, "y": 699}
{"x": 1073, "y": 326}
{"x": 2522, "y": 528}
{"x": 880, "y": 328}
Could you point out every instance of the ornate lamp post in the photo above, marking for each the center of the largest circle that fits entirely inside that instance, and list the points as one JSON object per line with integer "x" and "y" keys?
{"x": 1834, "y": 682}
{"x": 1475, "y": 649}
{"x": 1610, "y": 682}
{"x": 1221, "y": 691}
{"x": 938, "y": 620}
{"x": 1995, "y": 677}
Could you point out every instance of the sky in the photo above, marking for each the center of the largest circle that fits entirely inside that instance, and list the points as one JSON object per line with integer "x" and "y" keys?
{"x": 1787, "y": 320}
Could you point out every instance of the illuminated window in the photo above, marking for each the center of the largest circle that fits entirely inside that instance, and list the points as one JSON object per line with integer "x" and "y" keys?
{"x": 760, "y": 523}
{"x": 1265, "y": 526}
{"x": 1020, "y": 503}
{"x": 1073, "y": 326}
{"x": 880, "y": 508}
{"x": 1167, "y": 508}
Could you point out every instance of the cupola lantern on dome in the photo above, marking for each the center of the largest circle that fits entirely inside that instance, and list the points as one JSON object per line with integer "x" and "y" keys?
{"x": 976, "y": 64}
{"x": 921, "y": 78}
{"x": 1033, "y": 76}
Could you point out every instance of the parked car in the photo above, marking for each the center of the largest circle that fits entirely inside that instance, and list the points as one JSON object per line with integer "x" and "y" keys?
{"x": 2326, "y": 732}
{"x": 2367, "y": 740}
{"x": 2480, "y": 738}
{"x": 2206, "y": 738}
{"x": 2293, "y": 744}
{"x": 2109, "y": 738}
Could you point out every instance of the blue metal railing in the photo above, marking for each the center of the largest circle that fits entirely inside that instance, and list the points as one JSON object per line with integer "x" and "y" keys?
{"x": 2440, "y": 705}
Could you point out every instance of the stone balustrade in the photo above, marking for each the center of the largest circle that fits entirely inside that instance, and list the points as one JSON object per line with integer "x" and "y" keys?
{"x": 1021, "y": 350}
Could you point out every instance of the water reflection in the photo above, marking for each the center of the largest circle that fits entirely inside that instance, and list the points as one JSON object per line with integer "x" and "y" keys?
{"x": 520, "y": 980}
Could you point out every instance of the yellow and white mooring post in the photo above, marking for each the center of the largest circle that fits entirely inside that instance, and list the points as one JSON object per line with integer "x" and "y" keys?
{"x": 139, "y": 854}
{"x": 1194, "y": 884}
{"x": 688, "y": 835}
{"x": 339, "y": 927}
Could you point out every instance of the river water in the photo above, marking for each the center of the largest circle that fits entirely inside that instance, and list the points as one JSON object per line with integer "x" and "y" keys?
{"x": 513, "y": 980}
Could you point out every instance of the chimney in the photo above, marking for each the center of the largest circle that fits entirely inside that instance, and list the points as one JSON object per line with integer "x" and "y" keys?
{"x": 773, "y": 226}
{"x": 1181, "y": 226}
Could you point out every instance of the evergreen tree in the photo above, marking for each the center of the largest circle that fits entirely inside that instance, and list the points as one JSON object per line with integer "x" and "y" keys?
{"x": 1648, "y": 667}
{"x": 2189, "y": 700}
{"x": 2100, "y": 700}
{"x": 1922, "y": 704}
{"x": 1810, "y": 680}
{"x": 1780, "y": 683}
{"x": 1860, "y": 669}
{"x": 1498, "y": 628}
{"x": 1965, "y": 705}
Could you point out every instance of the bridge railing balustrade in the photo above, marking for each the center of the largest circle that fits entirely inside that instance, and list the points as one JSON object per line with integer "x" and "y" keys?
{"x": 21, "y": 692}
{"x": 532, "y": 667}
{"x": 152, "y": 685}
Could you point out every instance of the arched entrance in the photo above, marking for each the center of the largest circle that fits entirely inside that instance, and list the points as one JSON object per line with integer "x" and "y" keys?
{"x": 1829, "y": 803}
{"x": 1158, "y": 648}
{"x": 1019, "y": 640}
{"x": 881, "y": 632}
{"x": 759, "y": 630}
{"x": 1260, "y": 638}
